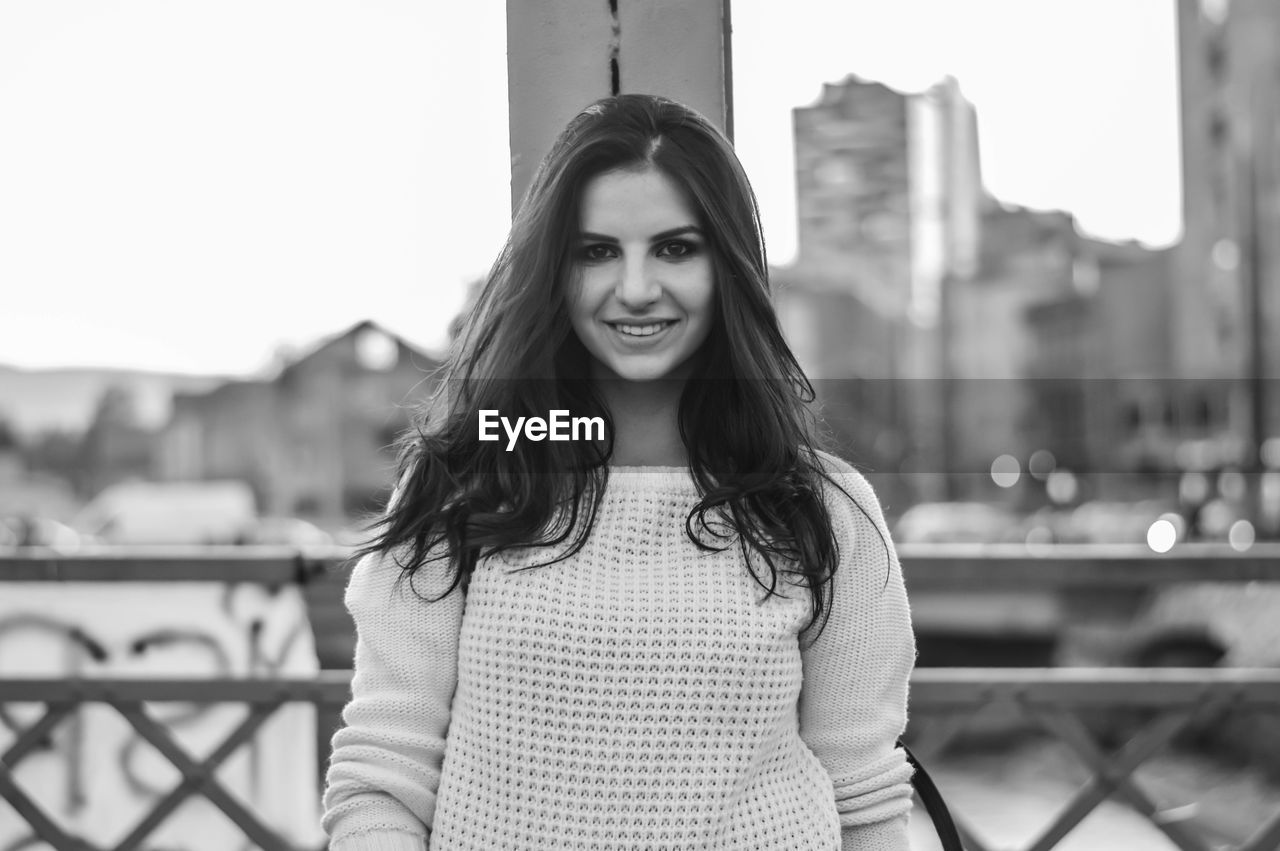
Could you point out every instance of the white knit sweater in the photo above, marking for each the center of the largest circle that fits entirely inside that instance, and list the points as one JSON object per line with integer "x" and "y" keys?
{"x": 636, "y": 696}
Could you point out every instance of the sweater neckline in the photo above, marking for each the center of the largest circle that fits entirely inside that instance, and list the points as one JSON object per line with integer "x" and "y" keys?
{"x": 653, "y": 478}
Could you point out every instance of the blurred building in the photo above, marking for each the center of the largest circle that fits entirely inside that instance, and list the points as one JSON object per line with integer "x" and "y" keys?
{"x": 888, "y": 199}
{"x": 1100, "y": 374}
{"x": 116, "y": 446}
{"x": 1025, "y": 256}
{"x": 1003, "y": 330}
{"x": 911, "y": 288}
{"x": 853, "y": 198}
{"x": 1227, "y": 305}
{"x": 27, "y": 496}
{"x": 847, "y": 347}
{"x": 316, "y": 440}
{"x": 11, "y": 463}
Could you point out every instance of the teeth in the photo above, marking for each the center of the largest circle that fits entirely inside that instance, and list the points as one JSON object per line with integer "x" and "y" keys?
{"x": 642, "y": 330}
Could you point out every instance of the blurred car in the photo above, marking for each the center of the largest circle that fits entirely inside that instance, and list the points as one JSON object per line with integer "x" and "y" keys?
{"x": 1106, "y": 522}
{"x": 25, "y": 531}
{"x": 146, "y": 513}
{"x": 284, "y": 530}
{"x": 957, "y": 523}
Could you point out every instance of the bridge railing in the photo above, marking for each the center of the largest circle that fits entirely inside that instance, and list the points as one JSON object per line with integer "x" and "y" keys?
{"x": 1059, "y": 701}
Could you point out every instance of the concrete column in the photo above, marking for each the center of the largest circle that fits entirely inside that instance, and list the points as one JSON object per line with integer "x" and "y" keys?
{"x": 564, "y": 54}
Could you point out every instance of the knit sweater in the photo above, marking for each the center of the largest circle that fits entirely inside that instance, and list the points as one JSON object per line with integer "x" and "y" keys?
{"x": 642, "y": 694}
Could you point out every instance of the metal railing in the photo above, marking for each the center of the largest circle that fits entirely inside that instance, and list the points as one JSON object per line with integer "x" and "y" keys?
{"x": 1052, "y": 698}
{"x": 926, "y": 566}
{"x": 1056, "y": 700}
{"x": 63, "y": 697}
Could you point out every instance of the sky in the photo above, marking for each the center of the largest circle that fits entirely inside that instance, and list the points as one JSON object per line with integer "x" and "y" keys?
{"x": 208, "y": 186}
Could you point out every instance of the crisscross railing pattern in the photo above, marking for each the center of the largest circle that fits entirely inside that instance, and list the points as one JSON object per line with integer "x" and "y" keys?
{"x": 61, "y": 697}
{"x": 950, "y": 699}
{"x": 1054, "y": 699}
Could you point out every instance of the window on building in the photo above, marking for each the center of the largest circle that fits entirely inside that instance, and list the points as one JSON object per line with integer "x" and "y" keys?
{"x": 836, "y": 171}
{"x": 1131, "y": 416}
{"x": 1219, "y": 129}
{"x": 1215, "y": 57}
{"x": 1201, "y": 413}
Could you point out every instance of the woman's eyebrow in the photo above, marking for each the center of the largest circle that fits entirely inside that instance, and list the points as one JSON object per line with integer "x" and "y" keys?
{"x": 657, "y": 237}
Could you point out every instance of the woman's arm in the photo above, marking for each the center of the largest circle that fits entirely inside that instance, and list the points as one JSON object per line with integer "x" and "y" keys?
{"x": 385, "y": 768}
{"x": 853, "y": 704}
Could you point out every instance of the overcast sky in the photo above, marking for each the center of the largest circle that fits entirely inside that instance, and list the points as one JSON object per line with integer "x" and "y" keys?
{"x": 193, "y": 185}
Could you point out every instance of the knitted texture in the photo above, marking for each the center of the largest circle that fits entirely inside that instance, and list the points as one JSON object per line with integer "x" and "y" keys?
{"x": 642, "y": 694}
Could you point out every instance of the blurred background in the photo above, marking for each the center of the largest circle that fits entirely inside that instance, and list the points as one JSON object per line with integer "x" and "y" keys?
{"x": 1025, "y": 250}
{"x": 1021, "y": 247}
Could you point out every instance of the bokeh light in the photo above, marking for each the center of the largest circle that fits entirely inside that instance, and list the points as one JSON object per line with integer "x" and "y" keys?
{"x": 1216, "y": 518}
{"x": 1179, "y": 524}
{"x": 1062, "y": 486}
{"x": 1162, "y": 535}
{"x": 1005, "y": 471}
{"x": 1039, "y": 540}
{"x": 1241, "y": 536}
{"x": 1231, "y": 485}
{"x": 1270, "y": 452}
{"x": 1041, "y": 464}
{"x": 376, "y": 350}
{"x": 1226, "y": 254}
{"x": 1193, "y": 488}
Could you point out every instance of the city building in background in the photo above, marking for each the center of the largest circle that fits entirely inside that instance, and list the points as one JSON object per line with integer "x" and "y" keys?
{"x": 317, "y": 440}
{"x": 888, "y": 200}
{"x": 949, "y": 330}
{"x": 911, "y": 278}
{"x": 1228, "y": 273}
{"x": 947, "y": 333}
{"x": 1099, "y": 370}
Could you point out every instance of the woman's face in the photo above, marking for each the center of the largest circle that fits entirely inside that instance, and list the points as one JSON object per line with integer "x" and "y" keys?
{"x": 642, "y": 299}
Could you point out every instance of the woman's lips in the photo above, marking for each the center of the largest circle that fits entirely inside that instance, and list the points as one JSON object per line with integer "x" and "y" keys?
{"x": 641, "y": 330}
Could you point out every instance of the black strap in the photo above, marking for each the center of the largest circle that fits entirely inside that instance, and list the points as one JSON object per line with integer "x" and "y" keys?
{"x": 933, "y": 803}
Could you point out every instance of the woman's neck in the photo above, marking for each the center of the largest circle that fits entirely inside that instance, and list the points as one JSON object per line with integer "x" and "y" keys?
{"x": 646, "y": 430}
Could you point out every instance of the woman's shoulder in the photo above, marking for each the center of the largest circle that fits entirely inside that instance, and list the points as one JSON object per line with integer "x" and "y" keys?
{"x": 846, "y": 491}
{"x": 388, "y": 574}
{"x": 844, "y": 474}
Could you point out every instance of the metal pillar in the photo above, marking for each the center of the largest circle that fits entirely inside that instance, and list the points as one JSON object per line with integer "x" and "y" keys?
{"x": 564, "y": 54}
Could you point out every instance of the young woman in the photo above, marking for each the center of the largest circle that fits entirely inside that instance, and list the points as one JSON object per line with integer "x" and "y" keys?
{"x": 686, "y": 629}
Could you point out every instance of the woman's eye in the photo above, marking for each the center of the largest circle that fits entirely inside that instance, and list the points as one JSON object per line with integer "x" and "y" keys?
{"x": 596, "y": 253}
{"x": 679, "y": 248}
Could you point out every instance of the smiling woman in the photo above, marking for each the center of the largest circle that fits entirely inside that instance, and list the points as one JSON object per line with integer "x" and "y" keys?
{"x": 689, "y": 631}
{"x": 642, "y": 297}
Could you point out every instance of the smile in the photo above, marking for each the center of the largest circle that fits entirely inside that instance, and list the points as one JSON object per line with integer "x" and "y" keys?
{"x": 647, "y": 330}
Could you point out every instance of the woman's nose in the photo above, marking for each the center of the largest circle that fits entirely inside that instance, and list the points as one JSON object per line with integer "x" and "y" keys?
{"x": 637, "y": 286}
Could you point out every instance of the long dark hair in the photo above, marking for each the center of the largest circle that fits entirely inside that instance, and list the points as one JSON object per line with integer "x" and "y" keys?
{"x": 742, "y": 416}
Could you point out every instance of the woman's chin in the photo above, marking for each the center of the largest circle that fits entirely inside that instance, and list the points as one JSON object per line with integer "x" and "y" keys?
{"x": 642, "y": 370}
{"x": 645, "y": 373}
{"x": 640, "y": 376}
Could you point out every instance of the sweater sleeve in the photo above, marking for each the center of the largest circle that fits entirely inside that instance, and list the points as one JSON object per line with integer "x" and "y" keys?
{"x": 853, "y": 701}
{"x": 383, "y": 774}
